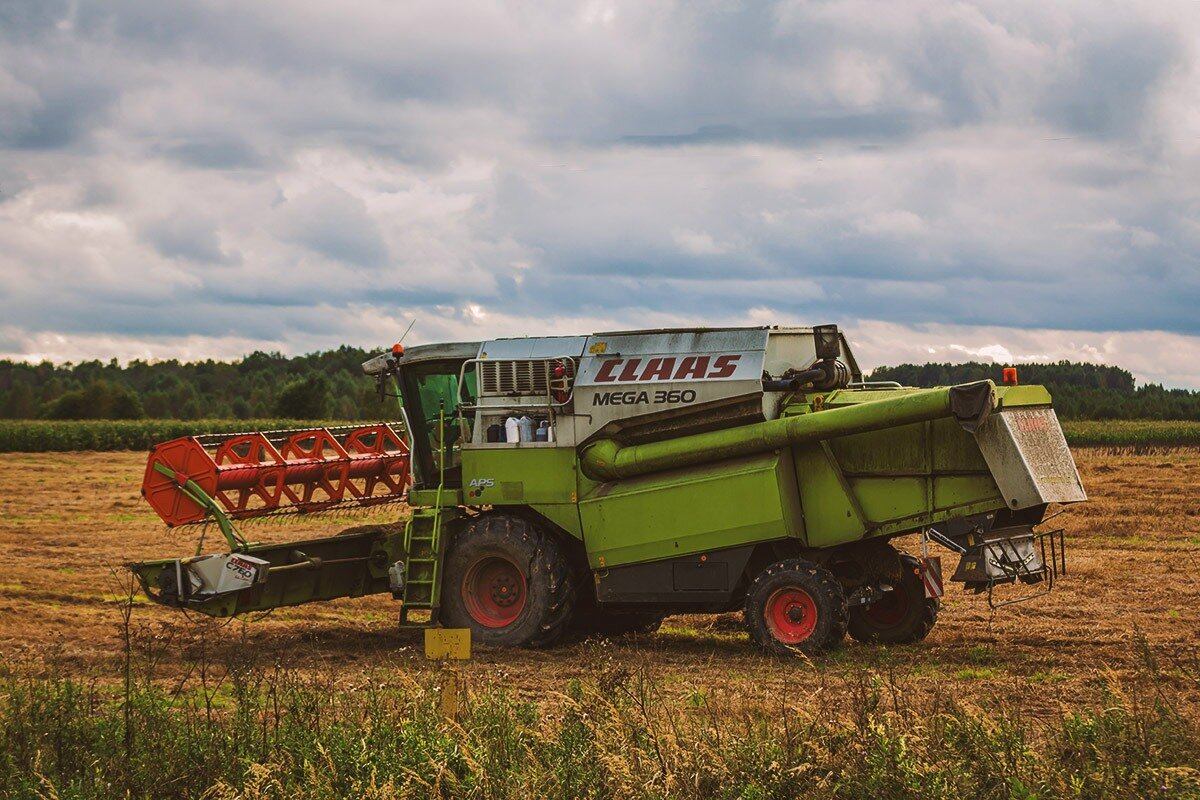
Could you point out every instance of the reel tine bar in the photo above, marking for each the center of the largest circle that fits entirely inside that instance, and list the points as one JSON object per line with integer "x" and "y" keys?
{"x": 271, "y": 473}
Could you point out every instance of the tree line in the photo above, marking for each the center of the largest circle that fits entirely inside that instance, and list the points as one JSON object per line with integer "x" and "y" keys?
{"x": 330, "y": 385}
{"x": 326, "y": 385}
{"x": 1080, "y": 391}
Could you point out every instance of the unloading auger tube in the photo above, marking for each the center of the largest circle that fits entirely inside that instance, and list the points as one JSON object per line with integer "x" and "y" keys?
{"x": 970, "y": 405}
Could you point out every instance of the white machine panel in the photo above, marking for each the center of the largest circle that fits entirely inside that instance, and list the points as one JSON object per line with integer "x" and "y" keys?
{"x": 666, "y": 372}
{"x": 1029, "y": 458}
{"x": 539, "y": 347}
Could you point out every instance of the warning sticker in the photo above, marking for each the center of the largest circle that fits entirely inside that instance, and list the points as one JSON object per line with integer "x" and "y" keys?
{"x": 931, "y": 576}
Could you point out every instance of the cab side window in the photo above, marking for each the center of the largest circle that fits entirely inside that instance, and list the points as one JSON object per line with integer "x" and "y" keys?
{"x": 437, "y": 429}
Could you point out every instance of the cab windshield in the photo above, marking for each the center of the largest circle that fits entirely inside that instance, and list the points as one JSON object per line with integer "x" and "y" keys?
{"x": 432, "y": 397}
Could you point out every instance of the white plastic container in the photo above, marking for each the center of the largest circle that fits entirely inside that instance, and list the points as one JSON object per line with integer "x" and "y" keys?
{"x": 512, "y": 430}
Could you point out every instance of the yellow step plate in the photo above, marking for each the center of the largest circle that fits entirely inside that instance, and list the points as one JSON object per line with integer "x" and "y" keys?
{"x": 452, "y": 643}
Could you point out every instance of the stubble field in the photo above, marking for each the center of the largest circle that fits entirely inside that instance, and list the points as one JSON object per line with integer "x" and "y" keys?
{"x": 68, "y": 521}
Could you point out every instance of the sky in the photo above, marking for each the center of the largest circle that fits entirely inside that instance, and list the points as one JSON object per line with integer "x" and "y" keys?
{"x": 947, "y": 181}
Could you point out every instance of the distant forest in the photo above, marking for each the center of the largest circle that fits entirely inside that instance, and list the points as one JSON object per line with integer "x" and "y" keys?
{"x": 1080, "y": 391}
{"x": 330, "y": 385}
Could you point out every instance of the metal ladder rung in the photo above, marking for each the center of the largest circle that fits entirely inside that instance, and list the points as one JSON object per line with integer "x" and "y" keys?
{"x": 423, "y": 573}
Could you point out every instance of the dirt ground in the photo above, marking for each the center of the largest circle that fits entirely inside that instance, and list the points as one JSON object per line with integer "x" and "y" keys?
{"x": 68, "y": 521}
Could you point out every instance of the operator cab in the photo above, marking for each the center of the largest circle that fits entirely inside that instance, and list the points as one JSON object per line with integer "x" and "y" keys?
{"x": 434, "y": 379}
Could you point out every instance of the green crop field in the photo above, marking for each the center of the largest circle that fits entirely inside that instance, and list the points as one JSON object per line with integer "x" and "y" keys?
{"x": 1132, "y": 433}
{"x": 37, "y": 436}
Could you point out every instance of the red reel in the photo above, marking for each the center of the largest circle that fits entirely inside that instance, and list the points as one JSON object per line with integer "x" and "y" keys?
{"x": 256, "y": 474}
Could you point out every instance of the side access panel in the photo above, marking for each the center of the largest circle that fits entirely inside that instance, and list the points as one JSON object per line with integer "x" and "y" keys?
{"x": 892, "y": 481}
{"x": 692, "y": 510}
{"x": 541, "y": 477}
{"x": 706, "y": 579}
{"x": 1028, "y": 453}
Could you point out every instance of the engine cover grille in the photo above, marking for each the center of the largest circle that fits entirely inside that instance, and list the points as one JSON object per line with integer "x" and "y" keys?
{"x": 524, "y": 377}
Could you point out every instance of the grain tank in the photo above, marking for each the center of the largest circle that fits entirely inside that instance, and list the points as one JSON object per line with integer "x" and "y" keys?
{"x": 597, "y": 483}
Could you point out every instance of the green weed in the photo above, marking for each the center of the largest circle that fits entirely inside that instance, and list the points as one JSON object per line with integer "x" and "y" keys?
{"x": 976, "y": 673}
{"x": 265, "y": 732}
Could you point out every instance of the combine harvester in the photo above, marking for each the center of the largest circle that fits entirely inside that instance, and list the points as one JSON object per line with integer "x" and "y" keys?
{"x": 598, "y": 483}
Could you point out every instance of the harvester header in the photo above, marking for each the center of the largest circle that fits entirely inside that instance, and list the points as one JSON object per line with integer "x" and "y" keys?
{"x": 276, "y": 472}
{"x": 596, "y": 483}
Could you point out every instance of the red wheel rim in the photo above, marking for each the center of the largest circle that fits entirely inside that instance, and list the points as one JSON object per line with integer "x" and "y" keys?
{"x": 890, "y": 609}
{"x": 493, "y": 591}
{"x": 791, "y": 615}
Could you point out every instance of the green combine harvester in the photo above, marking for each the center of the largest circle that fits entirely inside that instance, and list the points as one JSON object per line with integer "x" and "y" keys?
{"x": 598, "y": 483}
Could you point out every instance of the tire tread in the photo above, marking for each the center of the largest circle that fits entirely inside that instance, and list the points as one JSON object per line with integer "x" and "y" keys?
{"x": 516, "y": 534}
{"x": 825, "y": 583}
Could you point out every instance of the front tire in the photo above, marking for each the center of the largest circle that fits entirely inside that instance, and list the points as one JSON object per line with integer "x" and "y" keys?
{"x": 903, "y": 616}
{"x": 796, "y": 606}
{"x": 509, "y": 581}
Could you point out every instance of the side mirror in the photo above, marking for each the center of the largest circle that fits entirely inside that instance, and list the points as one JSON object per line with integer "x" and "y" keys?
{"x": 828, "y": 342}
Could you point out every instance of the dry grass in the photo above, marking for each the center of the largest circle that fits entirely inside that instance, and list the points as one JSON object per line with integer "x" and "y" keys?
{"x": 67, "y": 521}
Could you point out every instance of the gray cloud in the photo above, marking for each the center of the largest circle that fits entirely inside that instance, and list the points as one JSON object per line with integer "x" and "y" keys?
{"x": 335, "y": 224}
{"x": 296, "y": 175}
{"x": 220, "y": 153}
{"x": 188, "y": 237}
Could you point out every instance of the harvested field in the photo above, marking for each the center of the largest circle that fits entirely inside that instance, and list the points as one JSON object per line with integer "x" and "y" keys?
{"x": 67, "y": 522}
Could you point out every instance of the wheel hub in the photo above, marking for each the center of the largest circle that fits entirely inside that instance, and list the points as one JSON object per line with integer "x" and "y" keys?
{"x": 494, "y": 591}
{"x": 889, "y": 610}
{"x": 505, "y": 591}
{"x": 791, "y": 614}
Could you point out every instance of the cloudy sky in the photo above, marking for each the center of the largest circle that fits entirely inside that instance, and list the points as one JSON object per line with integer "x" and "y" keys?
{"x": 947, "y": 181}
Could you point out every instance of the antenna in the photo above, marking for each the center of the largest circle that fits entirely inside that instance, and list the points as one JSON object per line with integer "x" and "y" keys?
{"x": 406, "y": 330}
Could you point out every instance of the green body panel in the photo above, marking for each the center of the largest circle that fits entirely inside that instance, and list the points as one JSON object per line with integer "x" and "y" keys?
{"x": 421, "y": 498}
{"x": 519, "y": 475}
{"x": 1010, "y": 396}
{"x": 893, "y": 462}
{"x": 892, "y": 481}
{"x": 673, "y": 513}
{"x": 1006, "y": 396}
{"x": 564, "y": 515}
{"x": 831, "y": 513}
{"x": 541, "y": 477}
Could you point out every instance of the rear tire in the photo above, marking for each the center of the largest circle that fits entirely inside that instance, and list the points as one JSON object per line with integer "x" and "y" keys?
{"x": 508, "y": 581}
{"x": 903, "y": 616}
{"x": 795, "y": 606}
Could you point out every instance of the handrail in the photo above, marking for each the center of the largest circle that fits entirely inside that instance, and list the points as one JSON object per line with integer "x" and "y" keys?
{"x": 551, "y": 403}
